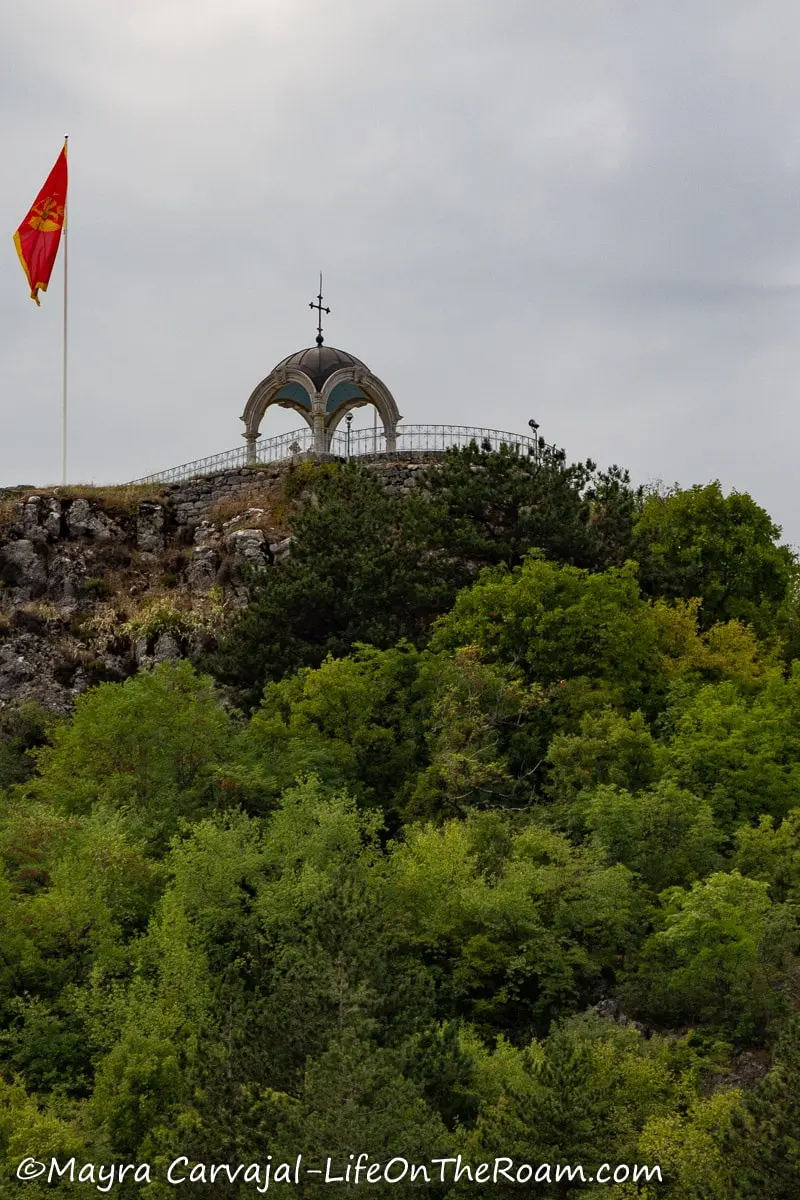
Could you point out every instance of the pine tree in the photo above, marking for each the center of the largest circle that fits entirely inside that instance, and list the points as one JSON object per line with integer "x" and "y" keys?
{"x": 766, "y": 1135}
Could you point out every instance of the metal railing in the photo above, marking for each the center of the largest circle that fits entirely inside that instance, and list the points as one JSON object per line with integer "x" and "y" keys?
{"x": 351, "y": 443}
{"x": 274, "y": 449}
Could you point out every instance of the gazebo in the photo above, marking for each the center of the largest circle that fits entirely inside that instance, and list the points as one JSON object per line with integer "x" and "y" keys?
{"x": 323, "y": 385}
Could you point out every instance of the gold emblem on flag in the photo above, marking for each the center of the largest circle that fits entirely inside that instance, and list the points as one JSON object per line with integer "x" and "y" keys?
{"x": 47, "y": 216}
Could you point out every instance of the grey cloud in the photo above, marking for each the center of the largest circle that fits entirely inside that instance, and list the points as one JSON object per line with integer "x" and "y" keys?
{"x": 585, "y": 211}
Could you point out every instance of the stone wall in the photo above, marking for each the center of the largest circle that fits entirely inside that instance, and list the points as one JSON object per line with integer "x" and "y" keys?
{"x": 192, "y": 500}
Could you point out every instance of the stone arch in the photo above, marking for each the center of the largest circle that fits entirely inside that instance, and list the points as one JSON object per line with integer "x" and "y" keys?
{"x": 291, "y": 387}
{"x": 371, "y": 390}
{"x": 269, "y": 392}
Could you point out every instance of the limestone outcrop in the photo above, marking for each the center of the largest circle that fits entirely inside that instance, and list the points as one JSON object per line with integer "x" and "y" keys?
{"x": 97, "y": 583}
{"x": 92, "y": 590}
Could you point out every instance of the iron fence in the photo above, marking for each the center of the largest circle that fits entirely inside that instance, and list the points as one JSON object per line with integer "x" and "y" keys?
{"x": 274, "y": 449}
{"x": 351, "y": 443}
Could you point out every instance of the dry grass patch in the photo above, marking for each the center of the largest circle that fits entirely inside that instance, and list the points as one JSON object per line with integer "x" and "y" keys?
{"x": 36, "y": 616}
{"x": 156, "y": 612}
{"x": 266, "y": 498}
{"x": 9, "y": 506}
{"x": 122, "y": 497}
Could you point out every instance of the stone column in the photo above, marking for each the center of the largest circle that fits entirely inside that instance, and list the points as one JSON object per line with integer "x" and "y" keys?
{"x": 251, "y": 439}
{"x": 318, "y": 418}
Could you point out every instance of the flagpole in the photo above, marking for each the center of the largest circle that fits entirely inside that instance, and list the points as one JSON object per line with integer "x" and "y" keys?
{"x": 64, "y": 362}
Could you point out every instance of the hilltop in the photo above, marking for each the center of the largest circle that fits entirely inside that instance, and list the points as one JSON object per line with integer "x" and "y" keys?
{"x": 444, "y": 808}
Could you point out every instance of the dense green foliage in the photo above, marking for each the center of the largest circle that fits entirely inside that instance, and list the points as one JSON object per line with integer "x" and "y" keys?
{"x": 699, "y": 542}
{"x": 490, "y": 783}
{"x": 369, "y": 567}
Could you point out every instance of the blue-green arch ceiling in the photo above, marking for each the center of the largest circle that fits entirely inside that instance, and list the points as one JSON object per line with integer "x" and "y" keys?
{"x": 296, "y": 393}
{"x": 343, "y": 393}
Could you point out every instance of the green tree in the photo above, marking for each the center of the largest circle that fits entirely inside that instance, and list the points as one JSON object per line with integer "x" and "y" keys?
{"x": 356, "y": 722}
{"x": 146, "y": 747}
{"x": 765, "y": 1140}
{"x": 666, "y": 835}
{"x": 356, "y": 1095}
{"x": 787, "y": 620}
{"x": 354, "y": 575}
{"x": 153, "y": 1034}
{"x": 284, "y": 913}
{"x": 23, "y": 728}
{"x": 740, "y": 751}
{"x": 697, "y": 542}
{"x": 476, "y": 712}
{"x": 580, "y": 1097}
{"x": 728, "y": 651}
{"x": 690, "y": 1145}
{"x": 374, "y": 568}
{"x": 102, "y": 889}
{"x": 30, "y": 1128}
{"x": 722, "y": 956}
{"x": 32, "y": 833}
{"x": 610, "y": 748}
{"x": 770, "y": 851}
{"x": 613, "y": 508}
{"x": 494, "y": 507}
{"x": 559, "y": 625}
{"x": 520, "y": 932}
{"x": 19, "y": 959}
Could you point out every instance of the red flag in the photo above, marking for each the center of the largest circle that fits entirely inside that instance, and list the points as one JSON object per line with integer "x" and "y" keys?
{"x": 39, "y": 235}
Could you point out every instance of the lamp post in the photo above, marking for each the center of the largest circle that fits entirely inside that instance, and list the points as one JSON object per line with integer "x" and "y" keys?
{"x": 348, "y": 420}
{"x": 534, "y": 427}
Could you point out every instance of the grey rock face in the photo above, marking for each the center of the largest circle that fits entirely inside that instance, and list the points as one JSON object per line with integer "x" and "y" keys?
{"x": 248, "y": 547}
{"x": 281, "y": 550}
{"x": 39, "y": 519}
{"x": 150, "y": 536}
{"x": 28, "y": 667}
{"x": 51, "y": 517}
{"x": 244, "y": 519}
{"x": 65, "y": 578}
{"x": 84, "y": 522}
{"x": 191, "y": 500}
{"x": 31, "y": 520}
{"x": 248, "y": 550}
{"x": 58, "y": 544}
{"x": 611, "y": 1011}
{"x": 14, "y": 668}
{"x": 140, "y": 651}
{"x": 166, "y": 649}
{"x": 207, "y": 536}
{"x": 201, "y": 573}
{"x": 148, "y": 653}
{"x": 23, "y": 568}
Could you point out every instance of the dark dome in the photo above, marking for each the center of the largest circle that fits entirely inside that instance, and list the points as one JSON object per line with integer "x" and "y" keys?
{"x": 320, "y": 362}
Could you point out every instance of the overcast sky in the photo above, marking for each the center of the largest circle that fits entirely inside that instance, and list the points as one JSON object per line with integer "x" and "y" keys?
{"x": 586, "y": 211}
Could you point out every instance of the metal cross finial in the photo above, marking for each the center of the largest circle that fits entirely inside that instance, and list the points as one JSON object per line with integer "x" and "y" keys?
{"x": 320, "y": 310}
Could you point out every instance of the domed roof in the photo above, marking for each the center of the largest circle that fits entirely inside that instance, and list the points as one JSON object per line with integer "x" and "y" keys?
{"x": 320, "y": 362}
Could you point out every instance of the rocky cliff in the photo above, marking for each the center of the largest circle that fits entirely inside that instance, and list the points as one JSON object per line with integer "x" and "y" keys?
{"x": 96, "y": 583}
